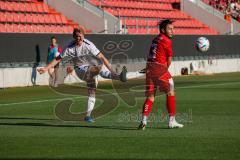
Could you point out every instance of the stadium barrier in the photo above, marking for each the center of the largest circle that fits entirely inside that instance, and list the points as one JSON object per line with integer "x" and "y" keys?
{"x": 28, "y": 76}
{"x": 33, "y": 47}
{"x": 21, "y": 54}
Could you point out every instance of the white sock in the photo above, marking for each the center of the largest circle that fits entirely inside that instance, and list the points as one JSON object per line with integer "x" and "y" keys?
{"x": 90, "y": 105}
{"x": 172, "y": 118}
{"x": 144, "y": 120}
{"x": 96, "y": 81}
{"x": 107, "y": 74}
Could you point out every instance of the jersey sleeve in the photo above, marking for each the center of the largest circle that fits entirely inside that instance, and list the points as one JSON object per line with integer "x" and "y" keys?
{"x": 93, "y": 49}
{"x": 63, "y": 53}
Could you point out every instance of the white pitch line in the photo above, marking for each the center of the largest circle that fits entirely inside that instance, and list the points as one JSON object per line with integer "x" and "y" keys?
{"x": 77, "y": 97}
{"x": 40, "y": 101}
{"x": 208, "y": 85}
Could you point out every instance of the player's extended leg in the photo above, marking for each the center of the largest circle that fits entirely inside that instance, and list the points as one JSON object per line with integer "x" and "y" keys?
{"x": 171, "y": 106}
{"x": 105, "y": 73}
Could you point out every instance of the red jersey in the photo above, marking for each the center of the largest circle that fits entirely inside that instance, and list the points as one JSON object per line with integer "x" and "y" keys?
{"x": 160, "y": 50}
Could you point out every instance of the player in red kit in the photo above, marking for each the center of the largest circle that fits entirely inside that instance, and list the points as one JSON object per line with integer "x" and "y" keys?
{"x": 158, "y": 76}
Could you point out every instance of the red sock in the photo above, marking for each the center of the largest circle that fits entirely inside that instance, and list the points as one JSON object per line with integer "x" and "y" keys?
{"x": 171, "y": 105}
{"x": 147, "y": 107}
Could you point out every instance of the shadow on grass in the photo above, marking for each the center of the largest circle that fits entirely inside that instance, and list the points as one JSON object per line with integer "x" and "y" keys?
{"x": 92, "y": 158}
{"x": 69, "y": 126}
{"x": 24, "y": 118}
{"x": 110, "y": 127}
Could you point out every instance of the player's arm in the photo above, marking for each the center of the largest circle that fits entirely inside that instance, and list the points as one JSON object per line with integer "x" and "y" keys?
{"x": 100, "y": 55}
{"x": 169, "y": 61}
{"x": 53, "y": 63}
{"x": 105, "y": 62}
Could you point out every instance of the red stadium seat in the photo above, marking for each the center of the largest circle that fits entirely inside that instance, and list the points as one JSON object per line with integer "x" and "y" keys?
{"x": 22, "y": 28}
{"x": 15, "y": 6}
{"x": 35, "y": 28}
{"x": 47, "y": 19}
{"x": 42, "y": 29}
{"x": 52, "y": 19}
{"x": 15, "y": 17}
{"x": 9, "y": 17}
{"x": 45, "y": 8}
{"x": 35, "y": 18}
{"x": 58, "y": 19}
{"x": 28, "y": 7}
{"x": 16, "y": 28}
{"x": 41, "y": 18}
{"x": 2, "y": 27}
{"x": 64, "y": 19}
{"x": 39, "y": 8}
{"x": 22, "y": 7}
{"x": 148, "y": 13}
{"x": 3, "y": 17}
{"x": 34, "y": 7}
{"x": 9, "y": 28}
{"x": 32, "y": 16}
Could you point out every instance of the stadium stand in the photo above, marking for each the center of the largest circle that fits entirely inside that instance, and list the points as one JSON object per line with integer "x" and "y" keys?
{"x": 231, "y": 7}
{"x": 33, "y": 16}
{"x": 141, "y": 17}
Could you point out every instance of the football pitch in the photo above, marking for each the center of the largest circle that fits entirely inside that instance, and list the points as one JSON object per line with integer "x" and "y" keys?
{"x": 208, "y": 106}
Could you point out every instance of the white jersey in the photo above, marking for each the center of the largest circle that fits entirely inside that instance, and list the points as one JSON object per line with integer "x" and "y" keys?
{"x": 86, "y": 54}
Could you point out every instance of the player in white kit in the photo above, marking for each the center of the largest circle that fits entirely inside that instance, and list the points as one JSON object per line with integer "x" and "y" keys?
{"x": 88, "y": 62}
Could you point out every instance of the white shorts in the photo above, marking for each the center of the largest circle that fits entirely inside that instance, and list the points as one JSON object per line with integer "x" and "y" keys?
{"x": 83, "y": 72}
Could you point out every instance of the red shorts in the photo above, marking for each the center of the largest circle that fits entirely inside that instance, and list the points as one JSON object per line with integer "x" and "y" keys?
{"x": 158, "y": 76}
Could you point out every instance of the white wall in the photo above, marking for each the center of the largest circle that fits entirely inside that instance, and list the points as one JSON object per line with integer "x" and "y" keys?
{"x": 15, "y": 77}
{"x": 215, "y": 66}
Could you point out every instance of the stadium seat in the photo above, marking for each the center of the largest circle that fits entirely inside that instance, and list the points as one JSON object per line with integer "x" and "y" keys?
{"x": 2, "y": 27}
{"x": 9, "y": 28}
{"x": 147, "y": 13}
{"x": 32, "y": 16}
{"x": 39, "y": 8}
{"x": 41, "y": 18}
{"x": 22, "y": 28}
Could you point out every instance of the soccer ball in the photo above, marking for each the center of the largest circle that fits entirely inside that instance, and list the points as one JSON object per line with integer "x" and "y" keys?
{"x": 202, "y": 44}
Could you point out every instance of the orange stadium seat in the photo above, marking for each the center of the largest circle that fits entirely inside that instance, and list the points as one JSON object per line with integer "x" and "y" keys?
{"x": 32, "y": 16}
{"x": 2, "y": 27}
{"x": 22, "y": 28}
{"x": 147, "y": 13}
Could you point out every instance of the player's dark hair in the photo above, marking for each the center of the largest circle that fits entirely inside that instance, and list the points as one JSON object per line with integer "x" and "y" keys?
{"x": 163, "y": 24}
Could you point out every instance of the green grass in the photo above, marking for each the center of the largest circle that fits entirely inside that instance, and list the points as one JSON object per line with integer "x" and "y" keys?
{"x": 209, "y": 107}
